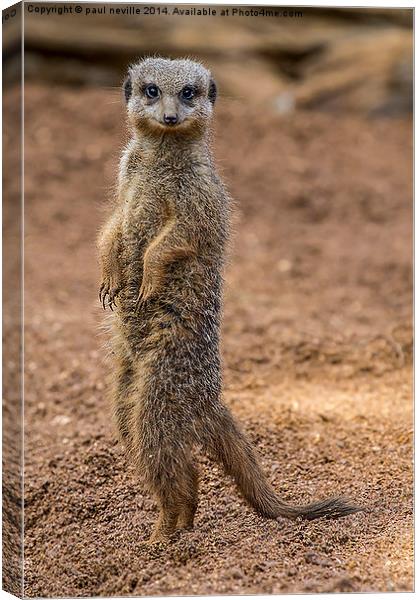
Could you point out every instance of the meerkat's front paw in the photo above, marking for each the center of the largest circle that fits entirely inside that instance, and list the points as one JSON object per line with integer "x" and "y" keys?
{"x": 108, "y": 294}
{"x": 147, "y": 289}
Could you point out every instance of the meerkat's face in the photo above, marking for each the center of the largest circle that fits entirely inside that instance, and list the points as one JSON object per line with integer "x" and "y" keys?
{"x": 169, "y": 96}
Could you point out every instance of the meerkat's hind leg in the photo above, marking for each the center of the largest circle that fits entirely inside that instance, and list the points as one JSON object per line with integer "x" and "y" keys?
{"x": 165, "y": 526}
{"x": 175, "y": 483}
{"x": 187, "y": 514}
{"x": 123, "y": 416}
{"x": 123, "y": 395}
{"x": 178, "y": 505}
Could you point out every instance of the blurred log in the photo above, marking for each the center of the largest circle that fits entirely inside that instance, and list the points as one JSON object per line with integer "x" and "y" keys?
{"x": 370, "y": 74}
{"x": 343, "y": 59}
{"x": 373, "y": 16}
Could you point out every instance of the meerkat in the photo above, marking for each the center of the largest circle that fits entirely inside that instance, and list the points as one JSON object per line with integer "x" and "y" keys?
{"x": 162, "y": 255}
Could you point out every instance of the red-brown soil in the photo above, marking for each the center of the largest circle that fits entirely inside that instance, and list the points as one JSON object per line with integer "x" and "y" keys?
{"x": 316, "y": 346}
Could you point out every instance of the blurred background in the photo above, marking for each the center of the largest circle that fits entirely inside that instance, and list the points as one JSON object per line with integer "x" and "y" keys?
{"x": 331, "y": 59}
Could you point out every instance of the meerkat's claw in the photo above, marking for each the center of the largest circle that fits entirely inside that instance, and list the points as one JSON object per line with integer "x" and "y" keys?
{"x": 103, "y": 293}
{"x": 108, "y": 295}
{"x": 113, "y": 295}
{"x": 139, "y": 304}
{"x": 104, "y": 299}
{"x": 145, "y": 292}
{"x": 111, "y": 301}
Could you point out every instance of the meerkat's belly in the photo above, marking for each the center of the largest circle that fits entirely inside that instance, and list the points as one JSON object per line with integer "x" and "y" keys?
{"x": 187, "y": 304}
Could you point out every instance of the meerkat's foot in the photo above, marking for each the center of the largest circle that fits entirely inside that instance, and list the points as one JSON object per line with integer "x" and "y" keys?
{"x": 186, "y": 518}
{"x": 160, "y": 538}
{"x": 165, "y": 527}
{"x": 161, "y": 535}
{"x": 185, "y": 523}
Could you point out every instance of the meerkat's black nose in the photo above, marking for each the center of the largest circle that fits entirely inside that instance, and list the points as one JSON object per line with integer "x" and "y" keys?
{"x": 170, "y": 119}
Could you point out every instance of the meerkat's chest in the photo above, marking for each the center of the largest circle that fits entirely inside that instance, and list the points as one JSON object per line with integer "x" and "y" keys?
{"x": 154, "y": 191}
{"x": 146, "y": 209}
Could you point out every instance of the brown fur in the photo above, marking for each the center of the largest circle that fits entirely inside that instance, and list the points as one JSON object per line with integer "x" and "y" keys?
{"x": 162, "y": 256}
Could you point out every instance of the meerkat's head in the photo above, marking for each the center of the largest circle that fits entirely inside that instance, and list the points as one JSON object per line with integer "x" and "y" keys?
{"x": 169, "y": 96}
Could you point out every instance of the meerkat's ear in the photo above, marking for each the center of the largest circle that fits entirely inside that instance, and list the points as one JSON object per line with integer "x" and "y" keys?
{"x": 212, "y": 91}
{"x": 127, "y": 88}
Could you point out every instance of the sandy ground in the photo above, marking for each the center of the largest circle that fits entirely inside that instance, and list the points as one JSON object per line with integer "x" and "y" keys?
{"x": 316, "y": 346}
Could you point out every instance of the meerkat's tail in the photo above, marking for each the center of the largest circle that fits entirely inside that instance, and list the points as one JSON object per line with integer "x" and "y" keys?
{"x": 234, "y": 451}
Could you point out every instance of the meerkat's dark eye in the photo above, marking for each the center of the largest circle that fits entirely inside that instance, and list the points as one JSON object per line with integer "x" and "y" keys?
{"x": 188, "y": 93}
{"x": 152, "y": 91}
